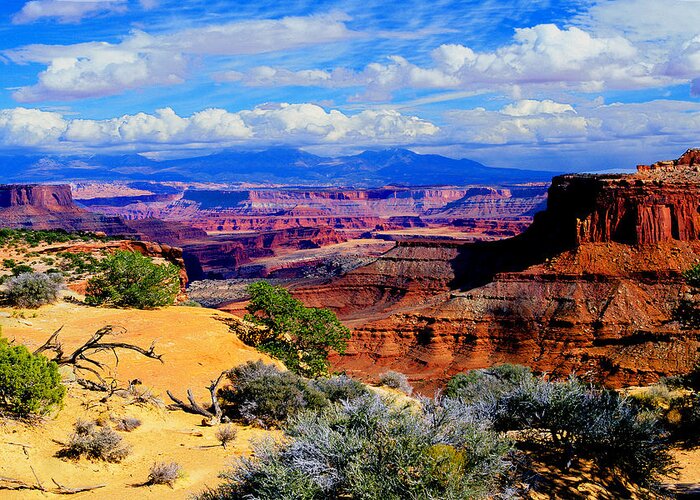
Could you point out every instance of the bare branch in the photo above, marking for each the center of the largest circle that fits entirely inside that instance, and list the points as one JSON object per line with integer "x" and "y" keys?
{"x": 84, "y": 355}
{"x": 214, "y": 415}
{"x": 64, "y": 490}
{"x": 52, "y": 344}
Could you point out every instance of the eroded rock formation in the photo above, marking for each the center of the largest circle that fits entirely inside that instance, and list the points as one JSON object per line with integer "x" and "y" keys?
{"x": 592, "y": 285}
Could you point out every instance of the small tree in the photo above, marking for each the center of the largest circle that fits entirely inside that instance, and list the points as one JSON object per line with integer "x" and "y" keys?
{"x": 29, "y": 384}
{"x": 300, "y": 336}
{"x": 130, "y": 279}
{"x": 687, "y": 312}
{"x": 31, "y": 290}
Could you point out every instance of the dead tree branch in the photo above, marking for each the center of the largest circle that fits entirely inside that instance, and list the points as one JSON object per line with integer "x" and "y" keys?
{"x": 82, "y": 359}
{"x": 214, "y": 414}
{"x": 64, "y": 490}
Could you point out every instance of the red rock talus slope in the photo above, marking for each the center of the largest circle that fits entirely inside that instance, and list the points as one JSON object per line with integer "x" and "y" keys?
{"x": 592, "y": 285}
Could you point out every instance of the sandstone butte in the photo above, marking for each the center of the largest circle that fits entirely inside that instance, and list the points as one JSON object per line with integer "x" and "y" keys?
{"x": 591, "y": 286}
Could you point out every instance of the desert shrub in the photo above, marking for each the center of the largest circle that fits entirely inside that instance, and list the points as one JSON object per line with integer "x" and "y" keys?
{"x": 33, "y": 238}
{"x": 495, "y": 380}
{"x": 95, "y": 442}
{"x": 141, "y": 396}
{"x": 31, "y": 290}
{"x": 20, "y": 269}
{"x": 164, "y": 473}
{"x": 366, "y": 449}
{"x": 129, "y": 279}
{"x": 126, "y": 424}
{"x": 225, "y": 434}
{"x": 266, "y": 396}
{"x": 189, "y": 303}
{"x": 582, "y": 421}
{"x": 301, "y": 337}
{"x": 396, "y": 380}
{"x": 340, "y": 388}
{"x": 29, "y": 384}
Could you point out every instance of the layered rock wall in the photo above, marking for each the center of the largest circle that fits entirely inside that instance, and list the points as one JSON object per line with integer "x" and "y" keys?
{"x": 591, "y": 286}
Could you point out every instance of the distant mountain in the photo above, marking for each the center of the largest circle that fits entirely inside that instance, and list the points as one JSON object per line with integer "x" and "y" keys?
{"x": 277, "y": 165}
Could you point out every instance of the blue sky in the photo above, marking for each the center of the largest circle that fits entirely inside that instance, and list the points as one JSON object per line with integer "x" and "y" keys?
{"x": 532, "y": 84}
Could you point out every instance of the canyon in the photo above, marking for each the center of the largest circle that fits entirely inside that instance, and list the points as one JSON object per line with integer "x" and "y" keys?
{"x": 591, "y": 287}
{"x": 435, "y": 280}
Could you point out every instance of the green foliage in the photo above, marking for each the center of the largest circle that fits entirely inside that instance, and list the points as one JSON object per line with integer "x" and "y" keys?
{"x": 340, "y": 388}
{"x": 581, "y": 421}
{"x": 496, "y": 380}
{"x": 129, "y": 279}
{"x": 300, "y": 336}
{"x": 368, "y": 448}
{"x": 79, "y": 262}
{"x": 35, "y": 238}
{"x": 266, "y": 396}
{"x": 692, "y": 276}
{"x": 22, "y": 269}
{"x": 687, "y": 313}
{"x": 29, "y": 385}
{"x": 31, "y": 290}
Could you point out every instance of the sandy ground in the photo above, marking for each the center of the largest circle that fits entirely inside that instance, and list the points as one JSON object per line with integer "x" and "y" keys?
{"x": 196, "y": 347}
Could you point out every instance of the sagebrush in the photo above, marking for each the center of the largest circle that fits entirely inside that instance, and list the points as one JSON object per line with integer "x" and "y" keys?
{"x": 31, "y": 290}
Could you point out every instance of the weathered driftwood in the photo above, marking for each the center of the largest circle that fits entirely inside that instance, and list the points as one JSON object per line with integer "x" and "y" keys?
{"x": 214, "y": 414}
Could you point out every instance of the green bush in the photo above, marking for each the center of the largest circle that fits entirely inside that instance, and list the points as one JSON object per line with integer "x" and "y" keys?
{"x": 29, "y": 385}
{"x": 495, "y": 380}
{"x": 35, "y": 238}
{"x": 340, "y": 388}
{"x": 22, "y": 269}
{"x": 371, "y": 449}
{"x": 579, "y": 420}
{"x": 266, "y": 396}
{"x": 31, "y": 290}
{"x": 301, "y": 337}
{"x": 129, "y": 279}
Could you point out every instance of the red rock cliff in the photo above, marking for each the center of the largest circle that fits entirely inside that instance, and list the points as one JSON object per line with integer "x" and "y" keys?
{"x": 592, "y": 285}
{"x": 54, "y": 198}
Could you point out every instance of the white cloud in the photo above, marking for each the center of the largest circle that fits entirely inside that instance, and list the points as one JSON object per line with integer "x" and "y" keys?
{"x": 99, "y": 69}
{"x": 527, "y": 107}
{"x": 289, "y": 124}
{"x": 660, "y": 24}
{"x": 30, "y": 127}
{"x": 670, "y": 121}
{"x": 66, "y": 11}
{"x": 543, "y": 55}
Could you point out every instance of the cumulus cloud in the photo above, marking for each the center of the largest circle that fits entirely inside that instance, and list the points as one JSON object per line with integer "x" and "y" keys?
{"x": 541, "y": 55}
{"x": 30, "y": 127}
{"x": 289, "y": 124}
{"x": 99, "y": 69}
{"x": 527, "y": 107}
{"x": 541, "y": 123}
{"x": 66, "y": 11}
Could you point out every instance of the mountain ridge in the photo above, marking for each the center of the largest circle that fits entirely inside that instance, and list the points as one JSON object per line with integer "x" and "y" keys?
{"x": 372, "y": 168}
